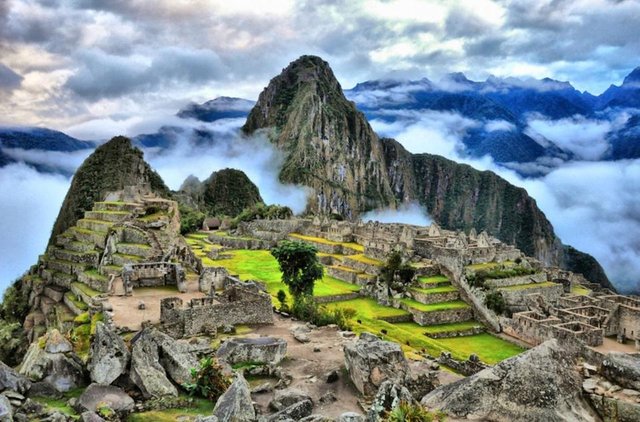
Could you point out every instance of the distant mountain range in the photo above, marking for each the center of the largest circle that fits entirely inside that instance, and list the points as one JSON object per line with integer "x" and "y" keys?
{"x": 497, "y": 112}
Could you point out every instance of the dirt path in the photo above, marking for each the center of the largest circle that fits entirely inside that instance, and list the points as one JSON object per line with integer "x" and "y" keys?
{"x": 125, "y": 308}
{"x": 309, "y": 368}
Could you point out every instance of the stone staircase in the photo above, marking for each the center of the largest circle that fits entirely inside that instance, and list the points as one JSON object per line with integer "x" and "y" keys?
{"x": 435, "y": 302}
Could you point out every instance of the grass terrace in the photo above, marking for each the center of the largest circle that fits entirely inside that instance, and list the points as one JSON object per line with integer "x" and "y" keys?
{"x": 350, "y": 245}
{"x": 440, "y": 306}
{"x": 528, "y": 286}
{"x": 578, "y": 289}
{"x": 442, "y": 328}
{"x": 490, "y": 265}
{"x": 433, "y": 279}
{"x": 368, "y": 308}
{"x": 366, "y": 260}
{"x": 489, "y": 348}
{"x": 443, "y": 289}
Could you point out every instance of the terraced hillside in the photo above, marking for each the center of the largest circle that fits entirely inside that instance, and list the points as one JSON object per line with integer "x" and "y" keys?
{"x": 446, "y": 321}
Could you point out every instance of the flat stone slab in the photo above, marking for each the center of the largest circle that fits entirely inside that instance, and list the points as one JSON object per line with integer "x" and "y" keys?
{"x": 266, "y": 350}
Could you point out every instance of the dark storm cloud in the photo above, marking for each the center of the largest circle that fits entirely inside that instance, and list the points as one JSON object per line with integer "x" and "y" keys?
{"x": 462, "y": 22}
{"x": 8, "y": 78}
{"x": 103, "y": 75}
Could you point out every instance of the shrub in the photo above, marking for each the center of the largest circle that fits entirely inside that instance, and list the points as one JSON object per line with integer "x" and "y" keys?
{"x": 394, "y": 270}
{"x": 261, "y": 211}
{"x": 406, "y": 412}
{"x": 495, "y": 302}
{"x": 190, "y": 219}
{"x": 15, "y": 302}
{"x": 305, "y": 308}
{"x": 282, "y": 298}
{"x": 208, "y": 380}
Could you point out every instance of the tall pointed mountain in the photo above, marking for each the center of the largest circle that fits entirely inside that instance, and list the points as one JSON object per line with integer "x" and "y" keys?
{"x": 329, "y": 144}
{"x": 330, "y": 147}
{"x": 111, "y": 167}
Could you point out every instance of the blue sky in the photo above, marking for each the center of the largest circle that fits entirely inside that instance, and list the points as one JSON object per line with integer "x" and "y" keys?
{"x": 82, "y": 64}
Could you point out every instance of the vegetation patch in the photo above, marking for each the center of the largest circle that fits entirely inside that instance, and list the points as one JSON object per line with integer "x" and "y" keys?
{"x": 443, "y": 289}
{"x": 440, "y": 306}
{"x": 489, "y": 348}
{"x": 578, "y": 289}
{"x": 433, "y": 279}
{"x": 529, "y": 286}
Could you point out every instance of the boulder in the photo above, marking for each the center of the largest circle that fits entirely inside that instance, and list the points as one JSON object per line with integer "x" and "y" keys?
{"x": 63, "y": 370}
{"x": 539, "y": 385}
{"x": 97, "y": 395}
{"x": 235, "y": 404}
{"x": 176, "y": 357}
{"x": 294, "y": 412}
{"x": 146, "y": 372}
{"x": 265, "y": 350}
{"x": 301, "y": 333}
{"x": 109, "y": 355}
{"x": 6, "y": 410}
{"x": 388, "y": 398}
{"x": 90, "y": 417}
{"x": 11, "y": 380}
{"x": 44, "y": 389}
{"x": 285, "y": 398}
{"x": 611, "y": 409}
{"x": 419, "y": 385}
{"x": 56, "y": 343}
{"x": 623, "y": 369}
{"x": 206, "y": 419}
{"x": 371, "y": 361}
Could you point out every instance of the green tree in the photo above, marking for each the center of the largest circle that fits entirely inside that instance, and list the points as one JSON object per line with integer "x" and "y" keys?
{"x": 495, "y": 301}
{"x": 190, "y": 219}
{"x": 299, "y": 265}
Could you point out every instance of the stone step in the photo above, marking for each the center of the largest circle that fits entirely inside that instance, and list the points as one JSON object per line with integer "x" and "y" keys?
{"x": 117, "y": 206}
{"x": 432, "y": 282}
{"x": 84, "y": 292}
{"x": 54, "y": 293}
{"x": 438, "y": 313}
{"x": 64, "y": 317}
{"x": 123, "y": 259}
{"x": 94, "y": 225}
{"x": 435, "y": 295}
{"x": 77, "y": 246}
{"x": 89, "y": 236}
{"x": 66, "y": 267}
{"x": 91, "y": 258}
{"x": 75, "y": 303}
{"x": 110, "y": 216}
{"x": 46, "y": 305}
{"x": 108, "y": 270}
{"x": 343, "y": 273}
{"x": 138, "y": 249}
{"x": 95, "y": 280}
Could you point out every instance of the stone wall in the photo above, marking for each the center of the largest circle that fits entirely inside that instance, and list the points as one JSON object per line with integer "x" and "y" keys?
{"x": 517, "y": 298}
{"x": 153, "y": 274}
{"x": 429, "y": 298}
{"x": 212, "y": 278}
{"x": 468, "y": 367}
{"x": 589, "y": 335}
{"x": 440, "y": 317}
{"x": 241, "y": 303}
{"x": 516, "y": 281}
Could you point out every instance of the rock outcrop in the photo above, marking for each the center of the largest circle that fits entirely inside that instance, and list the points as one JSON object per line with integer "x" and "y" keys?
{"x": 389, "y": 396}
{"x": 371, "y": 361}
{"x": 96, "y": 396}
{"x": 623, "y": 369}
{"x": 540, "y": 385}
{"x": 264, "y": 350}
{"x": 235, "y": 404}
{"x": 11, "y": 380}
{"x": 146, "y": 372}
{"x": 176, "y": 357}
{"x": 53, "y": 362}
{"x": 109, "y": 355}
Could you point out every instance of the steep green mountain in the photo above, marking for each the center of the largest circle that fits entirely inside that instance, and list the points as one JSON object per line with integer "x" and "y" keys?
{"x": 329, "y": 144}
{"x": 111, "y": 167}
{"x": 228, "y": 192}
{"x": 330, "y": 147}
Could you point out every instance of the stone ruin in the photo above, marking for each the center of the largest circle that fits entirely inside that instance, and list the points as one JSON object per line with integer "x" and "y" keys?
{"x": 239, "y": 303}
{"x": 153, "y": 274}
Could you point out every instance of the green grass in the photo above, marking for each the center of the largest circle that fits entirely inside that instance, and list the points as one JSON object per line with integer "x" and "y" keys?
{"x": 61, "y": 404}
{"x": 93, "y": 273}
{"x": 440, "y": 328}
{"x": 201, "y": 407}
{"x": 350, "y": 245}
{"x": 77, "y": 302}
{"x": 528, "y": 286}
{"x": 368, "y": 308}
{"x": 137, "y": 245}
{"x": 440, "y": 306}
{"x": 433, "y": 279}
{"x": 443, "y": 289}
{"x": 366, "y": 260}
{"x": 489, "y": 348}
{"x": 153, "y": 217}
{"x": 260, "y": 265}
{"x": 578, "y": 289}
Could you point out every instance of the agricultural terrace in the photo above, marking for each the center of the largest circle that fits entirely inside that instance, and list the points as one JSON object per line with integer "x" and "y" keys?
{"x": 388, "y": 322}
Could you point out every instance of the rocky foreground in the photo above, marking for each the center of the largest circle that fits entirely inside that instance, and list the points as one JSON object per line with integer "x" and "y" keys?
{"x": 311, "y": 374}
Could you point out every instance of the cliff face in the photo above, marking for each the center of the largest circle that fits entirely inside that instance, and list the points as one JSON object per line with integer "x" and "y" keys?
{"x": 111, "y": 167}
{"x": 328, "y": 143}
{"x": 330, "y": 147}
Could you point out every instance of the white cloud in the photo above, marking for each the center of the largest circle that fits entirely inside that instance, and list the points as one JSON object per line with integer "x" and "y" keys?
{"x": 408, "y": 213}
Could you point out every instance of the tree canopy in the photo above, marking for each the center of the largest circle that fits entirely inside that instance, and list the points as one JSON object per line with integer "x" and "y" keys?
{"x": 299, "y": 265}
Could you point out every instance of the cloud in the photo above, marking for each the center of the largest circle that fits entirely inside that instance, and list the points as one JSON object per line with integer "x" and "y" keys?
{"x": 586, "y": 138}
{"x": 104, "y": 75}
{"x": 499, "y": 125}
{"x": 64, "y": 162}
{"x": 9, "y": 80}
{"x": 407, "y": 213}
{"x": 29, "y": 204}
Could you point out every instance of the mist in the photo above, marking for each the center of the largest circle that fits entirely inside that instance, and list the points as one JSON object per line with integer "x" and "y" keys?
{"x": 407, "y": 213}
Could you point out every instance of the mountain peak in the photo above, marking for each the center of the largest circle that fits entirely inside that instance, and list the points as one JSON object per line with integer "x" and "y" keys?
{"x": 633, "y": 77}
